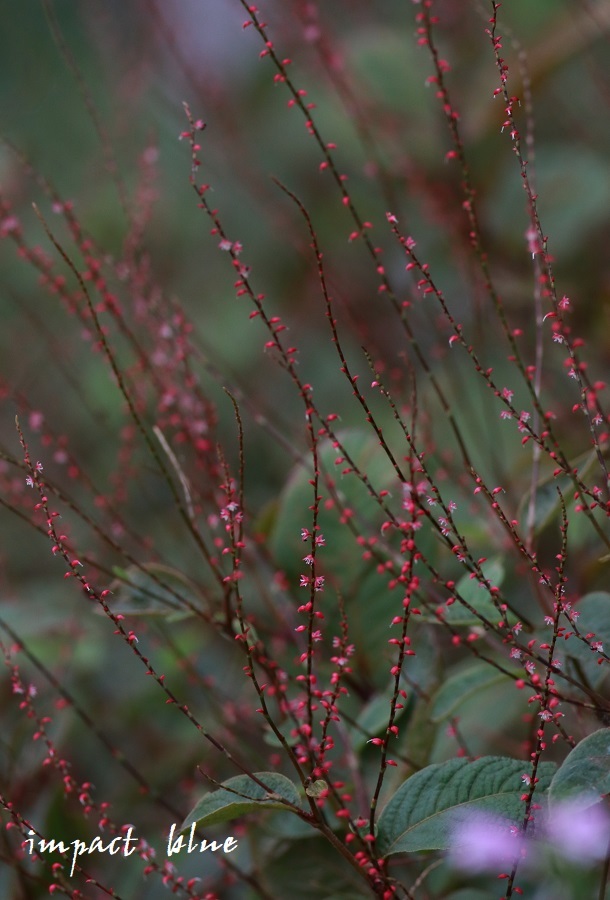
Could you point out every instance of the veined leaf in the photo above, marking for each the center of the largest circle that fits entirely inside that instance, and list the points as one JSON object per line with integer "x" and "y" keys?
{"x": 594, "y": 617}
{"x": 153, "y": 589}
{"x": 473, "y": 593}
{"x": 313, "y": 869}
{"x": 430, "y": 805}
{"x": 461, "y": 686}
{"x": 584, "y": 776}
{"x": 547, "y": 501}
{"x": 241, "y": 795}
{"x": 346, "y": 558}
{"x": 373, "y": 718}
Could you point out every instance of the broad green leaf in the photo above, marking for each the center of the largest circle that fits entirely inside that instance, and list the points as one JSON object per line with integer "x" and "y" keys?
{"x": 469, "y": 894}
{"x": 594, "y": 617}
{"x": 341, "y": 556}
{"x": 265, "y": 521}
{"x": 431, "y": 804}
{"x": 473, "y": 593}
{"x": 421, "y": 733}
{"x": 574, "y": 194}
{"x": 584, "y": 776}
{"x": 371, "y": 609}
{"x": 462, "y": 685}
{"x": 312, "y": 869}
{"x": 285, "y": 729}
{"x": 241, "y": 795}
{"x": 420, "y": 736}
{"x": 373, "y": 719}
{"x": 153, "y": 589}
{"x": 488, "y": 719}
{"x": 288, "y": 827}
{"x": 494, "y": 446}
{"x": 316, "y": 788}
{"x": 547, "y": 500}
{"x": 378, "y": 57}
{"x": 584, "y": 189}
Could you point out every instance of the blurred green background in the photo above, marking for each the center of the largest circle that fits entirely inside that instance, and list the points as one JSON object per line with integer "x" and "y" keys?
{"x": 134, "y": 64}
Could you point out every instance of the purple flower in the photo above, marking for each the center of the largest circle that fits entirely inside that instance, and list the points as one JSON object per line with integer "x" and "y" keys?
{"x": 581, "y": 834}
{"x": 485, "y": 843}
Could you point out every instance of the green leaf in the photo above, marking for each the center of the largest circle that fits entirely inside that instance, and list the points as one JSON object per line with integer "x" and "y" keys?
{"x": 421, "y": 735}
{"x": 373, "y": 718}
{"x": 594, "y": 617}
{"x": 462, "y": 685}
{"x": 431, "y": 804}
{"x": 311, "y": 869}
{"x": 574, "y": 192}
{"x": 469, "y": 894}
{"x": 345, "y": 560}
{"x": 548, "y": 504}
{"x": 285, "y": 729}
{"x": 153, "y": 589}
{"x": 316, "y": 788}
{"x": 285, "y": 826}
{"x": 371, "y": 609}
{"x": 490, "y": 718}
{"x": 241, "y": 795}
{"x": 584, "y": 776}
{"x": 473, "y": 593}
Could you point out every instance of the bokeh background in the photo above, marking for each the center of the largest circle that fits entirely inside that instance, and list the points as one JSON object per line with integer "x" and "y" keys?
{"x": 91, "y": 103}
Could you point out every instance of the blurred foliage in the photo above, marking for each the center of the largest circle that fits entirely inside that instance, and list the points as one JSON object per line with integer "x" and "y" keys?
{"x": 86, "y": 89}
